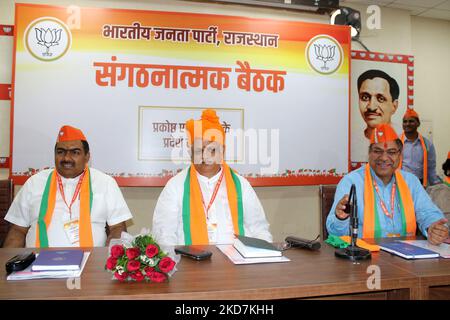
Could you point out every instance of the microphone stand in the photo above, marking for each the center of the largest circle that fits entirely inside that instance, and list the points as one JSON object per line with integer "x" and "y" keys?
{"x": 353, "y": 252}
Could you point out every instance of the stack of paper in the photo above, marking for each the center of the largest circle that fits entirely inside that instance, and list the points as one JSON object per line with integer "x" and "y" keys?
{"x": 247, "y": 250}
{"x": 237, "y": 258}
{"x": 28, "y": 273}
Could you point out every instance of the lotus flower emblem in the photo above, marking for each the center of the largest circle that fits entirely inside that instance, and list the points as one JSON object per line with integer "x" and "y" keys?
{"x": 325, "y": 53}
{"x": 48, "y": 38}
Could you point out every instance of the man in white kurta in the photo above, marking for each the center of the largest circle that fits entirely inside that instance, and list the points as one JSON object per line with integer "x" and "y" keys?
{"x": 168, "y": 225}
{"x": 108, "y": 207}
{"x": 61, "y": 189}
{"x": 167, "y": 218}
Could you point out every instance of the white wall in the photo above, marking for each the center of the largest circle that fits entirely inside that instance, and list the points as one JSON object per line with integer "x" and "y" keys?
{"x": 295, "y": 210}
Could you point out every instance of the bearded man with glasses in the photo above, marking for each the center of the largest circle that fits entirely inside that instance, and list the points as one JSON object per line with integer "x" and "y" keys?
{"x": 392, "y": 202}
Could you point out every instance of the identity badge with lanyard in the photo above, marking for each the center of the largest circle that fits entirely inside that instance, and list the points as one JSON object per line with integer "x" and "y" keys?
{"x": 388, "y": 214}
{"x": 211, "y": 222}
{"x": 72, "y": 226}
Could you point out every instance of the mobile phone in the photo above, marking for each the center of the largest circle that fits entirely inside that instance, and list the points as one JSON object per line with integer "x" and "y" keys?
{"x": 193, "y": 253}
{"x": 20, "y": 262}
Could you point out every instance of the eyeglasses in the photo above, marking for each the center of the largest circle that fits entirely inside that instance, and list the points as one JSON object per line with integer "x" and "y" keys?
{"x": 380, "y": 152}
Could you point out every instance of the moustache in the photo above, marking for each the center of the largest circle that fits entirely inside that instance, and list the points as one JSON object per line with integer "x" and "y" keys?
{"x": 63, "y": 163}
{"x": 371, "y": 113}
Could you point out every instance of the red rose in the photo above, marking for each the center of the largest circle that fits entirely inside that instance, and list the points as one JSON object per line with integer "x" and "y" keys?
{"x": 133, "y": 253}
{"x": 148, "y": 271}
{"x": 121, "y": 277}
{"x": 157, "y": 276}
{"x": 133, "y": 265}
{"x": 111, "y": 263}
{"x": 151, "y": 250}
{"x": 117, "y": 251}
{"x": 166, "y": 264}
{"x": 138, "y": 276}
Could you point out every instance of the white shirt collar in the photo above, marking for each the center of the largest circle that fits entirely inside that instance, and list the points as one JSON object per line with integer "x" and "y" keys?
{"x": 213, "y": 179}
{"x": 70, "y": 181}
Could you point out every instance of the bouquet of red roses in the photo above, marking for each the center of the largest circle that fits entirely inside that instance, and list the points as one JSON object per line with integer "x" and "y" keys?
{"x": 142, "y": 260}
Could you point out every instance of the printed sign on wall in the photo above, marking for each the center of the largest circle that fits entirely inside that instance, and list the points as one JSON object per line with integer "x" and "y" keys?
{"x": 129, "y": 80}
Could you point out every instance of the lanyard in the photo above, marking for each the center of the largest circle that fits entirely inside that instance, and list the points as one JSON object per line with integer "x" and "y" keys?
{"x": 213, "y": 197}
{"x": 383, "y": 206}
{"x": 77, "y": 191}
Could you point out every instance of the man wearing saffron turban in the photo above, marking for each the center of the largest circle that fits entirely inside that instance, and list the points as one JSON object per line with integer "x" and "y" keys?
{"x": 208, "y": 202}
{"x": 419, "y": 155}
{"x": 69, "y": 206}
{"x": 391, "y": 202}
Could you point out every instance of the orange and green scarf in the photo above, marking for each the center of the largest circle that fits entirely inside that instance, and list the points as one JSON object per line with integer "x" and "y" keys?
{"x": 371, "y": 224}
{"x": 447, "y": 181}
{"x": 425, "y": 158}
{"x": 194, "y": 217}
{"x": 48, "y": 205}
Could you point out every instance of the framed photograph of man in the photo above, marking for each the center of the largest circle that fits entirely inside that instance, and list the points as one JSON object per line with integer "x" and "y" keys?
{"x": 382, "y": 87}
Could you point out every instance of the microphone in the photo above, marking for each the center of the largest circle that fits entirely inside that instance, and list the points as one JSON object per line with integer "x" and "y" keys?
{"x": 353, "y": 252}
{"x": 296, "y": 242}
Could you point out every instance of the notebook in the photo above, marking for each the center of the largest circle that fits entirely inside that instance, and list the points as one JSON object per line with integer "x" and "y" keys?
{"x": 408, "y": 251}
{"x": 58, "y": 260}
{"x": 443, "y": 249}
{"x": 255, "y": 248}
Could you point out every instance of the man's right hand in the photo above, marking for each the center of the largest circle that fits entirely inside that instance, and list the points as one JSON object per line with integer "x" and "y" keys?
{"x": 340, "y": 207}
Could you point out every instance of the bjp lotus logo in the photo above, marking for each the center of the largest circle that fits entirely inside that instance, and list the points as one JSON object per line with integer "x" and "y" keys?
{"x": 324, "y": 54}
{"x": 47, "y": 39}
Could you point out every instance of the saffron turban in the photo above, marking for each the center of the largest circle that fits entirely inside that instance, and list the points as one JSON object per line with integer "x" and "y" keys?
{"x": 410, "y": 113}
{"x": 383, "y": 133}
{"x": 207, "y": 128}
{"x": 68, "y": 133}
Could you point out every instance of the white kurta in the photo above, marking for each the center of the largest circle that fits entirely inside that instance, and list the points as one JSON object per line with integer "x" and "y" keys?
{"x": 168, "y": 220}
{"x": 108, "y": 206}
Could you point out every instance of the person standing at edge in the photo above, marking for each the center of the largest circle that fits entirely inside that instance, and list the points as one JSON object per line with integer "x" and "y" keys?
{"x": 419, "y": 155}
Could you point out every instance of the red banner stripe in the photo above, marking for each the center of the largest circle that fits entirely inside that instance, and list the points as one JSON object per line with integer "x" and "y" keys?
{"x": 4, "y": 162}
{"x": 6, "y": 30}
{"x": 5, "y": 90}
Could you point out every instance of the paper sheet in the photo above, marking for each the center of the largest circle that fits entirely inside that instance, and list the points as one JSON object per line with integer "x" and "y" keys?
{"x": 237, "y": 258}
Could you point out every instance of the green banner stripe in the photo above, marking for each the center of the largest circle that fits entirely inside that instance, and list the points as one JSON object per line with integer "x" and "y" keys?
{"x": 378, "y": 233}
{"x": 43, "y": 238}
{"x": 237, "y": 184}
{"x": 187, "y": 209}
{"x": 91, "y": 195}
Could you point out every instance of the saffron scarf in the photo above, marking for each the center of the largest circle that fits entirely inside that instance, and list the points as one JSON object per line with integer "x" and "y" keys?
{"x": 425, "y": 158}
{"x": 48, "y": 205}
{"x": 194, "y": 216}
{"x": 371, "y": 224}
{"x": 447, "y": 181}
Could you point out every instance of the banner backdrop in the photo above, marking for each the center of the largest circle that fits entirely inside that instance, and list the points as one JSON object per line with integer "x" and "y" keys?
{"x": 130, "y": 79}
